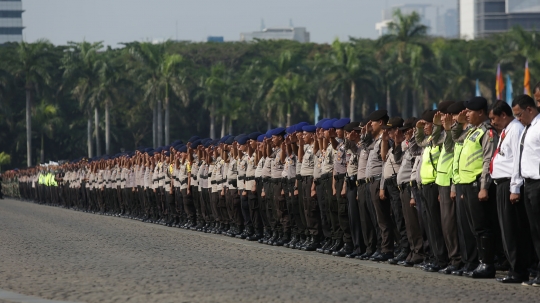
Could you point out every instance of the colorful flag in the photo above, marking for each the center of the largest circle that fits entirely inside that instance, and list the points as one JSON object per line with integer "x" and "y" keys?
{"x": 527, "y": 80}
{"x": 509, "y": 90}
{"x": 499, "y": 83}
{"x": 316, "y": 113}
{"x": 478, "y": 94}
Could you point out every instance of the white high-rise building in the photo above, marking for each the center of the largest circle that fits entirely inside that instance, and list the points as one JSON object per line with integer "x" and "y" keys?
{"x": 299, "y": 34}
{"x": 481, "y": 18}
{"x": 11, "y": 26}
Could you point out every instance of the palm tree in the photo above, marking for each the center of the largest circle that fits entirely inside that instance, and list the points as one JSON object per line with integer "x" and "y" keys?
{"x": 46, "y": 117}
{"x": 81, "y": 64}
{"x": 32, "y": 64}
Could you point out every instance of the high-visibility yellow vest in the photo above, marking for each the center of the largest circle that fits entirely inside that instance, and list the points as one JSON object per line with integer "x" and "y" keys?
{"x": 471, "y": 159}
{"x": 444, "y": 168}
{"x": 430, "y": 158}
{"x": 458, "y": 146}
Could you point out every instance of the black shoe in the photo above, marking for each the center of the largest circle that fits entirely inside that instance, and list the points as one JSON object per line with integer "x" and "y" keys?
{"x": 272, "y": 239}
{"x": 382, "y": 257}
{"x": 311, "y": 245}
{"x": 484, "y": 271}
{"x": 325, "y": 245}
{"x": 405, "y": 263}
{"x": 402, "y": 256}
{"x": 302, "y": 243}
{"x": 345, "y": 250}
{"x": 449, "y": 269}
{"x": 511, "y": 279}
{"x": 364, "y": 256}
{"x": 352, "y": 256}
{"x": 254, "y": 237}
{"x": 394, "y": 261}
{"x": 421, "y": 265}
{"x": 504, "y": 266}
{"x": 335, "y": 247}
{"x": 532, "y": 282}
{"x": 292, "y": 242}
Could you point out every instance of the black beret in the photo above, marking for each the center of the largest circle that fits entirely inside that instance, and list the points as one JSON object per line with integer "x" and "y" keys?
{"x": 443, "y": 106}
{"x": 350, "y": 127}
{"x": 428, "y": 115}
{"x": 409, "y": 123}
{"x": 377, "y": 115}
{"x": 456, "y": 108}
{"x": 476, "y": 103}
{"x": 254, "y": 136}
{"x": 393, "y": 122}
{"x": 230, "y": 140}
{"x": 194, "y": 138}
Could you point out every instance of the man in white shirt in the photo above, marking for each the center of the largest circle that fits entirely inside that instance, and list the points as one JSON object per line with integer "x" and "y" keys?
{"x": 528, "y": 166}
{"x": 512, "y": 215}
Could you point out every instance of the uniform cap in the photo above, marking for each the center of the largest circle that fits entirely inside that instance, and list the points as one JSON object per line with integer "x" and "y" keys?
{"x": 260, "y": 138}
{"x": 242, "y": 140}
{"x": 456, "y": 108}
{"x": 409, "y": 123}
{"x": 194, "y": 138}
{"x": 393, "y": 122}
{"x": 298, "y": 127}
{"x": 278, "y": 131}
{"x": 290, "y": 129}
{"x": 428, "y": 115}
{"x": 229, "y": 140}
{"x": 309, "y": 128}
{"x": 341, "y": 123}
{"x": 443, "y": 106}
{"x": 321, "y": 122}
{"x": 350, "y": 127}
{"x": 195, "y": 144}
{"x": 329, "y": 124}
{"x": 183, "y": 149}
{"x": 476, "y": 103}
{"x": 377, "y": 115}
{"x": 254, "y": 136}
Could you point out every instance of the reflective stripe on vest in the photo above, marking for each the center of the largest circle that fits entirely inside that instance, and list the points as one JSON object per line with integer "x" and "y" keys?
{"x": 444, "y": 168}
{"x": 471, "y": 159}
{"x": 430, "y": 158}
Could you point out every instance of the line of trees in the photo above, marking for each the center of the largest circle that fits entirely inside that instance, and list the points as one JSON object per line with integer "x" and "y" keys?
{"x": 84, "y": 99}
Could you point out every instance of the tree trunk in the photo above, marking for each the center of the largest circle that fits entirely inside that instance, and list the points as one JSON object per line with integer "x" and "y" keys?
{"x": 289, "y": 115}
{"x": 343, "y": 104}
{"x": 426, "y": 99}
{"x": 42, "y": 151}
{"x": 223, "y": 120}
{"x": 96, "y": 127}
{"x": 388, "y": 102}
{"x": 414, "y": 105}
{"x": 28, "y": 127}
{"x": 159, "y": 123}
{"x": 212, "y": 122}
{"x": 167, "y": 122}
{"x": 230, "y": 127}
{"x": 269, "y": 120}
{"x": 154, "y": 125}
{"x": 107, "y": 129}
{"x": 353, "y": 99}
{"x": 89, "y": 135}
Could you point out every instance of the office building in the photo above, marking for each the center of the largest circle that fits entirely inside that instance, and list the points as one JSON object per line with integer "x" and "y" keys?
{"x": 11, "y": 21}
{"x": 299, "y": 34}
{"x": 481, "y": 18}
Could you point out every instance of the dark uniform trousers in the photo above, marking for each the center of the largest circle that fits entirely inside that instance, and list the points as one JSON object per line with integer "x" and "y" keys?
{"x": 300, "y": 204}
{"x": 482, "y": 218}
{"x": 206, "y": 209}
{"x": 332, "y": 207}
{"x": 233, "y": 206}
{"x": 244, "y": 206}
{"x": 214, "y": 200}
{"x": 342, "y": 209}
{"x": 449, "y": 225}
{"x": 269, "y": 203}
{"x": 262, "y": 204}
{"x": 515, "y": 229}
{"x": 353, "y": 212}
{"x": 392, "y": 193}
{"x": 197, "y": 204}
{"x": 280, "y": 205}
{"x": 323, "y": 207}
{"x": 253, "y": 199}
{"x": 423, "y": 220}
{"x": 222, "y": 207}
{"x": 311, "y": 209}
{"x": 532, "y": 205}
{"x": 189, "y": 208}
{"x": 384, "y": 219}
{"x": 368, "y": 218}
{"x": 298, "y": 227}
{"x": 412, "y": 225}
{"x": 433, "y": 223}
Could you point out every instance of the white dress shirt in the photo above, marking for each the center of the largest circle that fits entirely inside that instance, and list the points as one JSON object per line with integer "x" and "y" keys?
{"x": 503, "y": 163}
{"x": 530, "y": 159}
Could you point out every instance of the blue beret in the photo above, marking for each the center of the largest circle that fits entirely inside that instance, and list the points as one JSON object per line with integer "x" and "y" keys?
{"x": 194, "y": 138}
{"x": 278, "y": 131}
{"x": 177, "y": 142}
{"x": 290, "y": 129}
{"x": 167, "y": 153}
{"x": 222, "y": 140}
{"x": 215, "y": 142}
{"x": 260, "y": 138}
{"x": 158, "y": 150}
{"x": 254, "y": 136}
{"x": 309, "y": 128}
{"x": 243, "y": 140}
{"x": 299, "y": 126}
{"x": 148, "y": 149}
{"x": 328, "y": 124}
{"x": 183, "y": 149}
{"x": 341, "y": 123}
{"x": 229, "y": 140}
{"x": 195, "y": 143}
{"x": 321, "y": 122}
{"x": 207, "y": 143}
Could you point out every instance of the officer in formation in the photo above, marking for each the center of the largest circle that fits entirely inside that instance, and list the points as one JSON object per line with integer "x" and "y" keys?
{"x": 454, "y": 191}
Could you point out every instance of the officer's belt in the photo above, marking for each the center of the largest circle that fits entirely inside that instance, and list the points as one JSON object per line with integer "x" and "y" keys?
{"x": 250, "y": 178}
{"x": 275, "y": 180}
{"x": 298, "y": 177}
{"x": 194, "y": 178}
{"x": 500, "y": 180}
{"x": 241, "y": 178}
{"x": 325, "y": 177}
{"x": 374, "y": 178}
{"x": 403, "y": 186}
{"x": 529, "y": 180}
{"x": 413, "y": 184}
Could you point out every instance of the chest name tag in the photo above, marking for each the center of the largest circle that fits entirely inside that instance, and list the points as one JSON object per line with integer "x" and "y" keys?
{"x": 474, "y": 136}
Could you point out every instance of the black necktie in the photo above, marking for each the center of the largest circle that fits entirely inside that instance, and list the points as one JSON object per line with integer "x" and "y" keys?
{"x": 521, "y": 147}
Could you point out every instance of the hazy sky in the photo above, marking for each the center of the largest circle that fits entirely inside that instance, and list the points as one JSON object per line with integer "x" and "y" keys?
{"x": 114, "y": 21}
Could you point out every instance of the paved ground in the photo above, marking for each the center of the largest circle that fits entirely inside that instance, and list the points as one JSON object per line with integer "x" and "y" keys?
{"x": 60, "y": 254}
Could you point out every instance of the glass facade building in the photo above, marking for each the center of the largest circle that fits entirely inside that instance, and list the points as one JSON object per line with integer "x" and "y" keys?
{"x": 11, "y": 26}
{"x": 481, "y": 18}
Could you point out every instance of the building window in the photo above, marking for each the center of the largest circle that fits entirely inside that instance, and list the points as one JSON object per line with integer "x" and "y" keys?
{"x": 10, "y": 14}
{"x": 11, "y": 30}
{"x": 494, "y": 7}
{"x": 496, "y": 25}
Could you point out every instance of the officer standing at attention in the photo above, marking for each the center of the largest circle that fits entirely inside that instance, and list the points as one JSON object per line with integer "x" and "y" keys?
{"x": 512, "y": 214}
{"x": 478, "y": 189}
{"x": 527, "y": 165}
